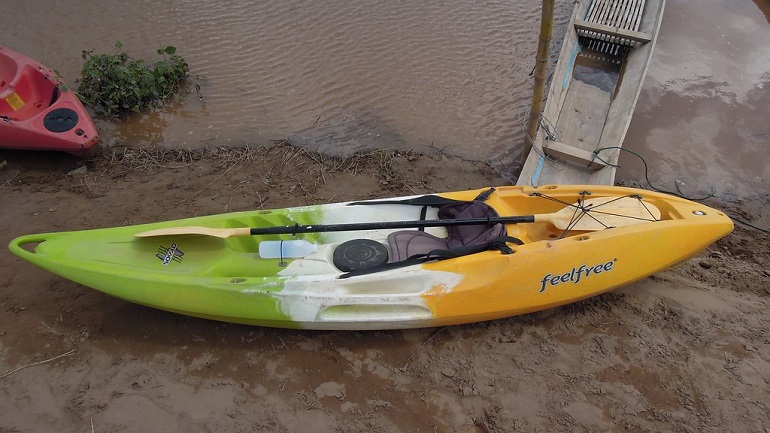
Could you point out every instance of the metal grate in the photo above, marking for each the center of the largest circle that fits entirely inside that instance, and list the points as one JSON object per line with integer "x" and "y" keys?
{"x": 621, "y": 14}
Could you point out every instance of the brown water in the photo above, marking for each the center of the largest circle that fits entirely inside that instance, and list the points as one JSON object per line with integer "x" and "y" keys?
{"x": 328, "y": 74}
{"x": 344, "y": 76}
{"x": 703, "y": 117}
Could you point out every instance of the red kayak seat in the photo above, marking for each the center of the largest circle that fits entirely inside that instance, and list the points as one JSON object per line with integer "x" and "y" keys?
{"x": 28, "y": 87}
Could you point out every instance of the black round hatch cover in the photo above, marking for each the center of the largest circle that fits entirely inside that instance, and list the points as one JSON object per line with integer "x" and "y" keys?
{"x": 60, "y": 120}
{"x": 359, "y": 254}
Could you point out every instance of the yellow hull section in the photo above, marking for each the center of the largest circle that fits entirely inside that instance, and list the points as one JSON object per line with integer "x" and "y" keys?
{"x": 548, "y": 271}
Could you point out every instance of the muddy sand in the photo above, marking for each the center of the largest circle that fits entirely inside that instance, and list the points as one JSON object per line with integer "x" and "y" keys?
{"x": 685, "y": 350}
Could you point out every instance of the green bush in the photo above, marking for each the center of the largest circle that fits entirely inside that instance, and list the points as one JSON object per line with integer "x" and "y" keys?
{"x": 118, "y": 84}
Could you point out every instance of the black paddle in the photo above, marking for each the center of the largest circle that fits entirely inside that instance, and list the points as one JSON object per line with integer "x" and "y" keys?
{"x": 589, "y": 215}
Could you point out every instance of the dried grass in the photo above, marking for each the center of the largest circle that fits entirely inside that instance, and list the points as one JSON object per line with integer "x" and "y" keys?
{"x": 303, "y": 160}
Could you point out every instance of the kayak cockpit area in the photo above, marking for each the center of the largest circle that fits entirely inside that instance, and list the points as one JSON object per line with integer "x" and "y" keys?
{"x": 331, "y": 240}
{"x": 25, "y": 91}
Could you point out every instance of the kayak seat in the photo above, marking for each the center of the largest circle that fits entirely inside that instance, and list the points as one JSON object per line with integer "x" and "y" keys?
{"x": 31, "y": 92}
{"x": 409, "y": 243}
{"x": 8, "y": 70}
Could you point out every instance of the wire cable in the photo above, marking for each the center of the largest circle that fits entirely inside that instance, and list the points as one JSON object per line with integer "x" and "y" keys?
{"x": 678, "y": 192}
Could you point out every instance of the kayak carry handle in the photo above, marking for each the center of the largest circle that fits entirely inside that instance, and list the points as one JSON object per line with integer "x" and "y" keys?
{"x": 16, "y": 246}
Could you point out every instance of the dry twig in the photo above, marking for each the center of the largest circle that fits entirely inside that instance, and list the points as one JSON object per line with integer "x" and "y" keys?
{"x": 38, "y": 363}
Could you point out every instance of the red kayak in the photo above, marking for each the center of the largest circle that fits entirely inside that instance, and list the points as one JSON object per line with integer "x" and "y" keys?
{"x": 36, "y": 113}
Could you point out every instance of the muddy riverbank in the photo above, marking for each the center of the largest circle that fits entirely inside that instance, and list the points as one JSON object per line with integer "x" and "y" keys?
{"x": 686, "y": 350}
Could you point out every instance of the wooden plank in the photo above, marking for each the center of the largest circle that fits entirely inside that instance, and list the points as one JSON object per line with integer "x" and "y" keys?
{"x": 583, "y": 114}
{"x": 585, "y": 158}
{"x": 613, "y": 31}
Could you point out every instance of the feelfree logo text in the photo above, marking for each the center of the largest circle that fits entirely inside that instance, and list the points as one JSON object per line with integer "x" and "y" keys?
{"x": 575, "y": 275}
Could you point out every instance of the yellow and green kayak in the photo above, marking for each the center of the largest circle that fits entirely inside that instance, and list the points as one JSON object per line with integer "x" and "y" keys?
{"x": 406, "y": 262}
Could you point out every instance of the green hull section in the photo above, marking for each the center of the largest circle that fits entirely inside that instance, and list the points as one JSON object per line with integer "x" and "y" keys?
{"x": 225, "y": 279}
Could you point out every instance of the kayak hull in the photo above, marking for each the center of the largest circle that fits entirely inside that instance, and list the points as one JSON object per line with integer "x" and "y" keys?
{"x": 37, "y": 112}
{"x": 227, "y": 280}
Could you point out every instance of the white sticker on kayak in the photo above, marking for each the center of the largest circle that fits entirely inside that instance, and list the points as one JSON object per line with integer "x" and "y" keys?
{"x": 169, "y": 254}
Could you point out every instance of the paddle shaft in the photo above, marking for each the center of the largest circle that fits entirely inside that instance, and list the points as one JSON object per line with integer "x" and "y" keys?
{"x": 385, "y": 225}
{"x": 605, "y": 212}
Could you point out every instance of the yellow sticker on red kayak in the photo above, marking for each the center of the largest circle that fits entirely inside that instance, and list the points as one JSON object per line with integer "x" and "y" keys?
{"x": 15, "y": 101}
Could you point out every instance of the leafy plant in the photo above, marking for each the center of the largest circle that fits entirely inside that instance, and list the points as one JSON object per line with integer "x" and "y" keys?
{"x": 118, "y": 83}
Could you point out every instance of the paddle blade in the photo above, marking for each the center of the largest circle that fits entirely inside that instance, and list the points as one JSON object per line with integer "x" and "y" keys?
{"x": 194, "y": 230}
{"x": 602, "y": 213}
